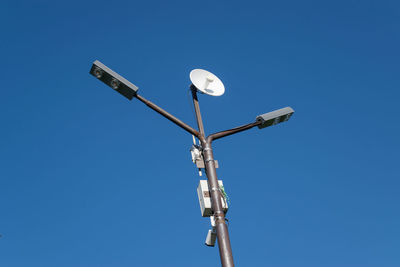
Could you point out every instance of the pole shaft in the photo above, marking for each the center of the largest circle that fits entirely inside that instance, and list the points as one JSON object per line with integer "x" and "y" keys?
{"x": 224, "y": 243}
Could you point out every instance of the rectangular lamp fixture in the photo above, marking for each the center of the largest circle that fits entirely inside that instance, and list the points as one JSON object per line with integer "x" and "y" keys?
{"x": 114, "y": 80}
{"x": 274, "y": 117}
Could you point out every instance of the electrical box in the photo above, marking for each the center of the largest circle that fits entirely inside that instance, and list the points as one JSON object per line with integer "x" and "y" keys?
{"x": 204, "y": 195}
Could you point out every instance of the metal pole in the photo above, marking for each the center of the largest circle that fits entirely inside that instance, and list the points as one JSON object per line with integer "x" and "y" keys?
{"x": 168, "y": 116}
{"x": 224, "y": 244}
{"x": 197, "y": 110}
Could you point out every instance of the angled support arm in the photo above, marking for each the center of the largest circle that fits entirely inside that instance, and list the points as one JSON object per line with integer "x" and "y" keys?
{"x": 242, "y": 128}
{"x": 168, "y": 116}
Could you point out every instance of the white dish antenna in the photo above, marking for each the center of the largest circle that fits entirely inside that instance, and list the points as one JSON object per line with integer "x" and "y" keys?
{"x": 206, "y": 82}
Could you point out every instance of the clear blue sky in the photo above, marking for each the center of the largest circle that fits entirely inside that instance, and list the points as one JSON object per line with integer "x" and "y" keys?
{"x": 88, "y": 178}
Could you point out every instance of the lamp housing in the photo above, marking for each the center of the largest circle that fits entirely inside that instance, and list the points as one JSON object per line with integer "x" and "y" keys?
{"x": 274, "y": 117}
{"x": 114, "y": 80}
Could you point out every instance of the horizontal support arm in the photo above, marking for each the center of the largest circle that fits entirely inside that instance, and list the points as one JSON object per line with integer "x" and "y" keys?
{"x": 168, "y": 116}
{"x": 242, "y": 128}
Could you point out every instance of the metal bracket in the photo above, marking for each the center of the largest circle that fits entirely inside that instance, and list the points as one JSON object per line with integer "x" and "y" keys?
{"x": 200, "y": 164}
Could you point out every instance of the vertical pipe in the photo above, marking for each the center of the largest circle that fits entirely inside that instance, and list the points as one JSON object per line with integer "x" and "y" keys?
{"x": 224, "y": 244}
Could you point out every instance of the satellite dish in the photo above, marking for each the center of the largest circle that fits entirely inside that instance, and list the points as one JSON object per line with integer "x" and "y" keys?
{"x": 206, "y": 82}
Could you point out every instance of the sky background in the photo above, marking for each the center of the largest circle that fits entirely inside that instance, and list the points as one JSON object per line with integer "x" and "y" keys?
{"x": 89, "y": 178}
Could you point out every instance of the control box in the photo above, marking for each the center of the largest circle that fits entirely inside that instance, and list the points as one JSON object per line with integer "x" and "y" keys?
{"x": 204, "y": 195}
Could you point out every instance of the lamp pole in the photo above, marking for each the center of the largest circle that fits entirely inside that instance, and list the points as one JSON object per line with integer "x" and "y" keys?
{"x": 129, "y": 90}
{"x": 224, "y": 244}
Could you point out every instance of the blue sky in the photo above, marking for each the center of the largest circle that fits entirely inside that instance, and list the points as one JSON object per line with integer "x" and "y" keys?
{"x": 88, "y": 178}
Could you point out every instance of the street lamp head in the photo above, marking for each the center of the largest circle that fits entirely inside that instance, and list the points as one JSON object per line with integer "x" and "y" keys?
{"x": 274, "y": 117}
{"x": 114, "y": 80}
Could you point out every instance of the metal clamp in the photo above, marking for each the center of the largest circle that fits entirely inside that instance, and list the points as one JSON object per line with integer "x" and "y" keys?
{"x": 215, "y": 189}
{"x": 218, "y": 214}
{"x": 219, "y": 218}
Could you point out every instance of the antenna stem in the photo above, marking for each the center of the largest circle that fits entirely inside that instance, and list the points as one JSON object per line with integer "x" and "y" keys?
{"x": 197, "y": 110}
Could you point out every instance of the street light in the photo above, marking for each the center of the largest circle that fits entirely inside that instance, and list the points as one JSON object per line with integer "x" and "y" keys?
{"x": 207, "y": 83}
{"x": 274, "y": 117}
{"x": 114, "y": 80}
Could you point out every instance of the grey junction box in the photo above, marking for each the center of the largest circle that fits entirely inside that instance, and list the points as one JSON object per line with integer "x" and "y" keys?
{"x": 204, "y": 195}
